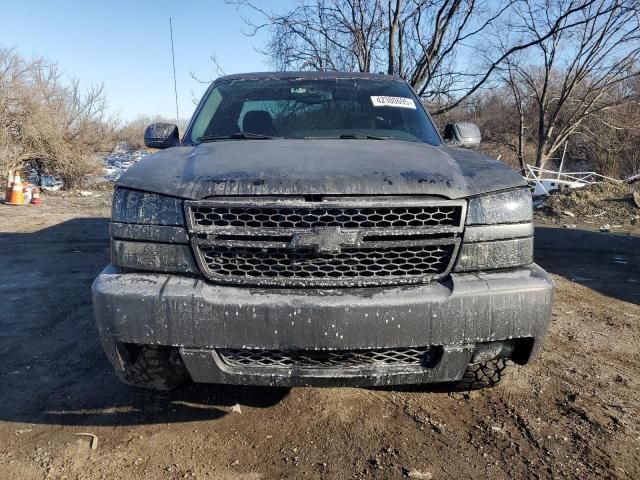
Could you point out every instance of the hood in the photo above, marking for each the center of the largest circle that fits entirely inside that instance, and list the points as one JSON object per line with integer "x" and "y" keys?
{"x": 318, "y": 167}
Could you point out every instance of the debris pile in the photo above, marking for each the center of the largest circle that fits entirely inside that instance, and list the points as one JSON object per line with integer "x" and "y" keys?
{"x": 49, "y": 183}
{"x": 604, "y": 203}
{"x": 122, "y": 157}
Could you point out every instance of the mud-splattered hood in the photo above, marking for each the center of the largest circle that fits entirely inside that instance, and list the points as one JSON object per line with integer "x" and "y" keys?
{"x": 329, "y": 167}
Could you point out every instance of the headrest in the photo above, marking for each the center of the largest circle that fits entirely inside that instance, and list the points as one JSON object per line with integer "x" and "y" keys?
{"x": 258, "y": 121}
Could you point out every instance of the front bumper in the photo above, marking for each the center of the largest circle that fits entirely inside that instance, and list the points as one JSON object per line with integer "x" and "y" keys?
{"x": 200, "y": 318}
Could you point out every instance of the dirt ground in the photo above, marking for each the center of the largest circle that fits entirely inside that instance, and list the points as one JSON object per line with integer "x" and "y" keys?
{"x": 613, "y": 206}
{"x": 574, "y": 413}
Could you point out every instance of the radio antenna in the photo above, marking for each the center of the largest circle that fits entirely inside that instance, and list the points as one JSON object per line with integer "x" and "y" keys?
{"x": 175, "y": 83}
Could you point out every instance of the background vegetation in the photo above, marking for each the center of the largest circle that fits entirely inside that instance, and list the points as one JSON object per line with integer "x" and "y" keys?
{"x": 534, "y": 74}
{"x": 537, "y": 76}
{"x": 48, "y": 123}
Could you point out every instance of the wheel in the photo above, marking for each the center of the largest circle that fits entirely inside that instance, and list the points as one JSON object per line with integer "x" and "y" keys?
{"x": 482, "y": 375}
{"x": 154, "y": 367}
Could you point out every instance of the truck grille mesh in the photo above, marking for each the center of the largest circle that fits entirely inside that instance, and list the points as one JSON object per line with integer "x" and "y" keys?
{"x": 333, "y": 242}
{"x": 427, "y": 216}
{"x": 350, "y": 263}
{"x": 420, "y": 356}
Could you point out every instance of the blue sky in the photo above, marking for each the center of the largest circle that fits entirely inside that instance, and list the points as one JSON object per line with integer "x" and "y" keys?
{"x": 125, "y": 44}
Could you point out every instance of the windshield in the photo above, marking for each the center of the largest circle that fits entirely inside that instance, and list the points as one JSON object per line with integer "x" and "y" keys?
{"x": 311, "y": 108}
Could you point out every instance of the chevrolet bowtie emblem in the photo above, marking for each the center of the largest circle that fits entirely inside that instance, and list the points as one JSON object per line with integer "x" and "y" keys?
{"x": 326, "y": 239}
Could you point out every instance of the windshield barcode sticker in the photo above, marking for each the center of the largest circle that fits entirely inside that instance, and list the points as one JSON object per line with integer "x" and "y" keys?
{"x": 400, "y": 102}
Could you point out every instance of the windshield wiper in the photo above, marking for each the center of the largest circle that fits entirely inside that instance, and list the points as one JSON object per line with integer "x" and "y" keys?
{"x": 352, "y": 136}
{"x": 236, "y": 136}
{"x": 361, "y": 136}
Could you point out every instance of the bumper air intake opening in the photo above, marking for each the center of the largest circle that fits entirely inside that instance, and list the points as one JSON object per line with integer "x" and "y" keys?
{"x": 427, "y": 357}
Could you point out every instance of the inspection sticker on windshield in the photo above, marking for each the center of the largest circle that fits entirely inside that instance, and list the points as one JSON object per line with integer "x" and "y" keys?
{"x": 400, "y": 102}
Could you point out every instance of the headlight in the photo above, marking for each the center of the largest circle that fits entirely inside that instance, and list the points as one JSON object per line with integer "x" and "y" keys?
{"x": 132, "y": 206}
{"x": 498, "y": 232}
{"x": 148, "y": 233}
{"x": 514, "y": 206}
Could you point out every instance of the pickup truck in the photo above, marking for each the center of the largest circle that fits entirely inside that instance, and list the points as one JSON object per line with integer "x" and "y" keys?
{"x": 314, "y": 228}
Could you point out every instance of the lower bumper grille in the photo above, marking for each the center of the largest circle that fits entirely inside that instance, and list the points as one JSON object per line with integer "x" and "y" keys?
{"x": 419, "y": 356}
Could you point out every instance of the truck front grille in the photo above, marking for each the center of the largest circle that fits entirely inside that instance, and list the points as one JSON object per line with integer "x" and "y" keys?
{"x": 419, "y": 356}
{"x": 336, "y": 242}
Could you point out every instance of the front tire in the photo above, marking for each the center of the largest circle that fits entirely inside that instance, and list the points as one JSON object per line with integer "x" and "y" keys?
{"x": 154, "y": 368}
{"x": 483, "y": 375}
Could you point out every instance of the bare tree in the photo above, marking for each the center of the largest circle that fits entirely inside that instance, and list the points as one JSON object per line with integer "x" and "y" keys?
{"x": 441, "y": 47}
{"x": 611, "y": 139}
{"x": 415, "y": 39}
{"x": 581, "y": 71}
{"x": 519, "y": 103}
{"x": 48, "y": 123}
{"x": 322, "y": 34}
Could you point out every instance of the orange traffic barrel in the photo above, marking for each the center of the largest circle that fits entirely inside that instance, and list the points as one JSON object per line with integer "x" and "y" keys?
{"x": 35, "y": 197}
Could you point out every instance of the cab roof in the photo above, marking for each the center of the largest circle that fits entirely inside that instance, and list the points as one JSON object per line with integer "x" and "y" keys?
{"x": 326, "y": 75}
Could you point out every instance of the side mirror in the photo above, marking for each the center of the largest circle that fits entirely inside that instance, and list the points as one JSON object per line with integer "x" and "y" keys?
{"x": 465, "y": 134}
{"x": 161, "y": 135}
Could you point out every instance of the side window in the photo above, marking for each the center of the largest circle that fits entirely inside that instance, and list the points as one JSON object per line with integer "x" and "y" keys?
{"x": 206, "y": 114}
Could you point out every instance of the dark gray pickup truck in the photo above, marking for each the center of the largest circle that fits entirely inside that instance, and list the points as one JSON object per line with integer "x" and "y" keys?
{"x": 315, "y": 229}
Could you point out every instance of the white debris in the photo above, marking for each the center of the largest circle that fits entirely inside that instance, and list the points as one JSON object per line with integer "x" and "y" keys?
{"x": 48, "y": 183}
{"x": 93, "y": 439}
{"x": 413, "y": 473}
{"x": 599, "y": 214}
{"x": 236, "y": 408}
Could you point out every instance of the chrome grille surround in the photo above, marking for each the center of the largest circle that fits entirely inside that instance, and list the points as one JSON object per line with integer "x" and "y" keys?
{"x": 417, "y": 356}
{"x": 289, "y": 242}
